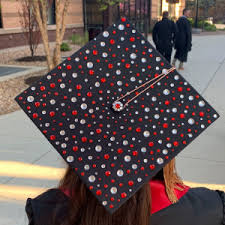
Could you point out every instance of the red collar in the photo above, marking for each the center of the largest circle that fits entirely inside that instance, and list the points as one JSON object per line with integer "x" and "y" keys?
{"x": 159, "y": 197}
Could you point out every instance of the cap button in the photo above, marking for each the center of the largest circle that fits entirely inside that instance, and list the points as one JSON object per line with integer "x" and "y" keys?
{"x": 117, "y": 106}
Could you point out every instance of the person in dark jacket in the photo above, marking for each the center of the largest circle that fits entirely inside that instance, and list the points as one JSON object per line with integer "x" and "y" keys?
{"x": 164, "y": 34}
{"x": 183, "y": 41}
{"x": 73, "y": 203}
{"x": 172, "y": 203}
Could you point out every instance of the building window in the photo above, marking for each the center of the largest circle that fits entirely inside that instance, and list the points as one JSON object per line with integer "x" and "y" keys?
{"x": 51, "y": 13}
{"x": 172, "y": 6}
{"x": 93, "y": 18}
{"x": 93, "y": 15}
{"x": 160, "y": 9}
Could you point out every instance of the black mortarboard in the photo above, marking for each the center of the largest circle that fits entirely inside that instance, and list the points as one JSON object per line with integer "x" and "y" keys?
{"x": 117, "y": 112}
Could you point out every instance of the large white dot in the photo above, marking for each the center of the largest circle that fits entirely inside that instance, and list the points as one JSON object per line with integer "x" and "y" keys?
{"x": 70, "y": 159}
{"x": 146, "y": 133}
{"x": 98, "y": 148}
{"x": 160, "y": 161}
{"x": 127, "y": 158}
{"x": 166, "y": 92}
{"x": 191, "y": 121}
{"x": 91, "y": 178}
{"x": 83, "y": 106}
{"x": 133, "y": 56}
{"x": 121, "y": 27}
{"x": 105, "y": 34}
{"x": 30, "y": 98}
{"x": 120, "y": 173}
{"x": 201, "y": 103}
{"x": 113, "y": 190}
{"x": 89, "y": 65}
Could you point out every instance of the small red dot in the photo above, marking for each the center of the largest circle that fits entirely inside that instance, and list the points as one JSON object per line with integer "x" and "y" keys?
{"x": 112, "y": 41}
{"x": 127, "y": 65}
{"x": 95, "y": 52}
{"x": 182, "y": 116}
{"x": 42, "y": 88}
{"x": 201, "y": 114}
{"x": 84, "y": 139}
{"x": 167, "y": 102}
{"x": 52, "y": 85}
{"x": 69, "y": 67}
{"x": 180, "y": 89}
{"x": 106, "y": 156}
{"x": 52, "y": 137}
{"x": 35, "y": 115}
{"x": 123, "y": 195}
{"x": 52, "y": 113}
{"x": 152, "y": 167}
{"x": 107, "y": 173}
{"x": 98, "y": 192}
{"x": 130, "y": 183}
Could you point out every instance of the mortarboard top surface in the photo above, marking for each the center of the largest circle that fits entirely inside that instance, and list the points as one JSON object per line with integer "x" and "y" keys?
{"x": 116, "y": 147}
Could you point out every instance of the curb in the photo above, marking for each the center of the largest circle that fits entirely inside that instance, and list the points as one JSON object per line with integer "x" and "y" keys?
{"x": 28, "y": 70}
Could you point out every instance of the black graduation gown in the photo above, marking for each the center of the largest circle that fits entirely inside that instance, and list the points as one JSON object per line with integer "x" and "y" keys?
{"x": 163, "y": 34}
{"x": 199, "y": 206}
{"x": 183, "y": 39}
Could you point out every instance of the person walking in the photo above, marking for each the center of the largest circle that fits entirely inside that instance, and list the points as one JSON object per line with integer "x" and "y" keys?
{"x": 164, "y": 34}
{"x": 183, "y": 39}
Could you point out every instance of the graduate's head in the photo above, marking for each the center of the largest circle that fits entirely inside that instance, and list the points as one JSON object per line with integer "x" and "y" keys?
{"x": 116, "y": 113}
{"x": 85, "y": 208}
{"x": 187, "y": 12}
{"x": 165, "y": 14}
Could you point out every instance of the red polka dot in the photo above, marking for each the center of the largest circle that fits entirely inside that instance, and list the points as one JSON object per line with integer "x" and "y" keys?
{"x": 123, "y": 195}
{"x": 98, "y": 192}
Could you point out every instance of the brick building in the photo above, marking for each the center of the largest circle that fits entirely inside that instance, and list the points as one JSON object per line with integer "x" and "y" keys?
{"x": 83, "y": 14}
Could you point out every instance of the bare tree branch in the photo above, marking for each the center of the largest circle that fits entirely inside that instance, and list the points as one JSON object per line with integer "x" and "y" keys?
{"x": 30, "y": 26}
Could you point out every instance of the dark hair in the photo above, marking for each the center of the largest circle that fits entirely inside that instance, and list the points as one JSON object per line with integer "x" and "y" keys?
{"x": 165, "y": 14}
{"x": 84, "y": 208}
{"x": 185, "y": 10}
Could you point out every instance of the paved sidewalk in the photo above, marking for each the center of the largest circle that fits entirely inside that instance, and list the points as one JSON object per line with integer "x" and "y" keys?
{"x": 38, "y": 166}
{"x": 10, "y": 71}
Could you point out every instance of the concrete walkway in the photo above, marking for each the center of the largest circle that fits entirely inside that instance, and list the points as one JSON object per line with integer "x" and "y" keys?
{"x": 9, "y": 71}
{"x": 28, "y": 164}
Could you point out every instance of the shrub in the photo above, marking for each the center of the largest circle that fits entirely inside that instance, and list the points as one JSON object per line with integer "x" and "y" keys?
{"x": 191, "y": 20}
{"x": 65, "y": 47}
{"x": 79, "y": 39}
{"x": 209, "y": 27}
{"x": 203, "y": 24}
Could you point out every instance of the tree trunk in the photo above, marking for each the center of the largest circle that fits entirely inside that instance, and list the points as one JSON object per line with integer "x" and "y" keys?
{"x": 40, "y": 10}
{"x": 57, "y": 52}
{"x": 42, "y": 23}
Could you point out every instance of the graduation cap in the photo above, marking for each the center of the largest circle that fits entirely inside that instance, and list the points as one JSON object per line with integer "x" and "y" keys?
{"x": 117, "y": 112}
